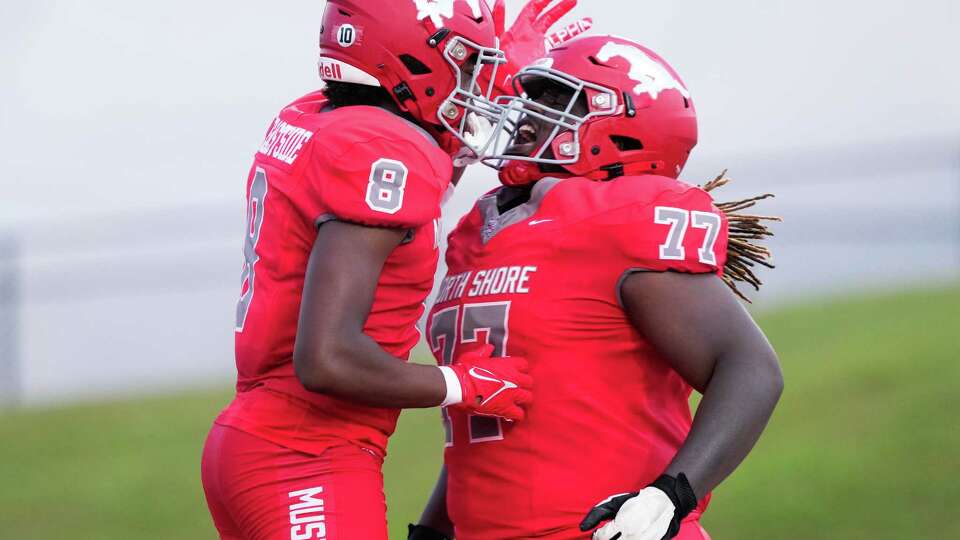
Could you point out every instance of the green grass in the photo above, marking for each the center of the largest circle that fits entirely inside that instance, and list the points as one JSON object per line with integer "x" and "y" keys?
{"x": 866, "y": 440}
{"x": 865, "y": 443}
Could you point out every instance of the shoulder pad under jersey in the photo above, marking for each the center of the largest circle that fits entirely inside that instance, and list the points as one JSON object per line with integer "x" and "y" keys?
{"x": 369, "y": 166}
{"x": 654, "y": 223}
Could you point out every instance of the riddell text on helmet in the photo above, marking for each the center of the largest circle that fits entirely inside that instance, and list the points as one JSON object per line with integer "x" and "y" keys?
{"x": 330, "y": 70}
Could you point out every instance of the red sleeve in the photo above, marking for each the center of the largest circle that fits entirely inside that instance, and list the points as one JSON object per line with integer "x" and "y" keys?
{"x": 377, "y": 170}
{"x": 679, "y": 230}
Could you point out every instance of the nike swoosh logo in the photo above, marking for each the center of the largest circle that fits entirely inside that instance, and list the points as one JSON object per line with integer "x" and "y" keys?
{"x": 506, "y": 385}
{"x": 539, "y": 221}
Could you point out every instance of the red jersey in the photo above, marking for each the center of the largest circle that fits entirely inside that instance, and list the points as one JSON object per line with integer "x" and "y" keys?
{"x": 357, "y": 164}
{"x": 542, "y": 281}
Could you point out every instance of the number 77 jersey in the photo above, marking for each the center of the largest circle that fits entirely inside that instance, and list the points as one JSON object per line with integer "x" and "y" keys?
{"x": 542, "y": 281}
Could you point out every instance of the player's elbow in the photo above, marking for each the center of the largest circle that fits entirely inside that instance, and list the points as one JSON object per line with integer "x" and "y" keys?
{"x": 309, "y": 371}
{"x": 757, "y": 369}
{"x": 316, "y": 368}
{"x": 771, "y": 375}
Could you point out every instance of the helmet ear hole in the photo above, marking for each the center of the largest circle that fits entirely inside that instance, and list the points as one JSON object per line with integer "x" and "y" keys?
{"x": 414, "y": 66}
{"x": 626, "y": 144}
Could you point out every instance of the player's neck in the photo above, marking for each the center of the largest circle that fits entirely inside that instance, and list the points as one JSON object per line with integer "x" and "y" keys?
{"x": 388, "y": 106}
{"x": 512, "y": 197}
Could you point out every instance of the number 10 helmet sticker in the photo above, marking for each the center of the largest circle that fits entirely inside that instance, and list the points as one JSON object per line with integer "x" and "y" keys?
{"x": 347, "y": 35}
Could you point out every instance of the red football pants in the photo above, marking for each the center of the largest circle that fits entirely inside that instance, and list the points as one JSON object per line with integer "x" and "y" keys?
{"x": 257, "y": 490}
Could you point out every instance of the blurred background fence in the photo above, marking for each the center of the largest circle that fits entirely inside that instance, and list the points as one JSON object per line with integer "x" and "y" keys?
{"x": 130, "y": 303}
{"x": 10, "y": 311}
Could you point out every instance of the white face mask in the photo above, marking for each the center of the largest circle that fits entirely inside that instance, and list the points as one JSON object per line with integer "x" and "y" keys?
{"x": 471, "y": 101}
{"x": 559, "y": 119}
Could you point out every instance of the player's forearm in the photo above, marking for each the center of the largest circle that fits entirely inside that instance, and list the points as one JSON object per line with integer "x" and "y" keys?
{"x": 358, "y": 370}
{"x": 736, "y": 406}
{"x": 435, "y": 513}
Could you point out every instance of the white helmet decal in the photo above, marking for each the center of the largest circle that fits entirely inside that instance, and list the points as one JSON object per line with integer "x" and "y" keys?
{"x": 438, "y": 10}
{"x": 652, "y": 77}
{"x": 546, "y": 62}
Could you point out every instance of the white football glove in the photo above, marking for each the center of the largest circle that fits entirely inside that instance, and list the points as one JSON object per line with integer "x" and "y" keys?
{"x": 479, "y": 131}
{"x": 646, "y": 516}
{"x": 653, "y": 513}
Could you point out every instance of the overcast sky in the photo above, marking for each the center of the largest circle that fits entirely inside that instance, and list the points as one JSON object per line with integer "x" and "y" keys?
{"x": 114, "y": 105}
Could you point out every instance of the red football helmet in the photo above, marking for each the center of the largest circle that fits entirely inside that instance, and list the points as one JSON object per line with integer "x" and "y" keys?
{"x": 437, "y": 58}
{"x": 626, "y": 112}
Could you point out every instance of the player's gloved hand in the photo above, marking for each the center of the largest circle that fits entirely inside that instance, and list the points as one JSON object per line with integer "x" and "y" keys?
{"x": 525, "y": 41}
{"x": 422, "y": 532}
{"x": 653, "y": 513}
{"x": 480, "y": 384}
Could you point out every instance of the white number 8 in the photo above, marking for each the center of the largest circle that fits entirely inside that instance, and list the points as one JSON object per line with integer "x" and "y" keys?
{"x": 388, "y": 178}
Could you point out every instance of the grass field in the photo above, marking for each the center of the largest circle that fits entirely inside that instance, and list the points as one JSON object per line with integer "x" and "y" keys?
{"x": 865, "y": 443}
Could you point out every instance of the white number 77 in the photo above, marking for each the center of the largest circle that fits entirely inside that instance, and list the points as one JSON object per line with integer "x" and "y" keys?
{"x": 678, "y": 219}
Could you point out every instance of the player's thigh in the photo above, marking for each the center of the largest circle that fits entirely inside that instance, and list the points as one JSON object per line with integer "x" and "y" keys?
{"x": 354, "y": 505}
{"x": 212, "y": 489}
{"x": 274, "y": 493}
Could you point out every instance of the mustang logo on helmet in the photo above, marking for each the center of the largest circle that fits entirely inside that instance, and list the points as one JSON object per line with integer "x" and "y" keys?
{"x": 652, "y": 77}
{"x": 438, "y": 10}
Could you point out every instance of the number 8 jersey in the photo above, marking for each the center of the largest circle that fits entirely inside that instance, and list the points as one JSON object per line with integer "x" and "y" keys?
{"x": 357, "y": 164}
{"x": 542, "y": 280}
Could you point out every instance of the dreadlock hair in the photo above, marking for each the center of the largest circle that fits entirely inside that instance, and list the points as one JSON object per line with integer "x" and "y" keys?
{"x": 743, "y": 252}
{"x": 343, "y": 94}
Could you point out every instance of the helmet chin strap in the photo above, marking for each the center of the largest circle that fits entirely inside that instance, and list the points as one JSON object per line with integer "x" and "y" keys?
{"x": 521, "y": 173}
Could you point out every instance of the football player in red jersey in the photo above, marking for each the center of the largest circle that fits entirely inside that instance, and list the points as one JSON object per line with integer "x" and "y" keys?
{"x": 341, "y": 247}
{"x": 607, "y": 273}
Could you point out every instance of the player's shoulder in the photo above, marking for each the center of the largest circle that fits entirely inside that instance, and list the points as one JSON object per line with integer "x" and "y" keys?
{"x": 586, "y": 199}
{"x": 308, "y": 126}
{"x": 362, "y": 164}
{"x": 376, "y": 129}
{"x": 647, "y": 221}
{"x": 291, "y": 132}
{"x": 358, "y": 138}
{"x": 366, "y": 123}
